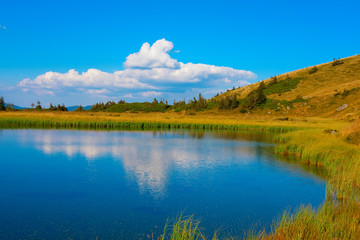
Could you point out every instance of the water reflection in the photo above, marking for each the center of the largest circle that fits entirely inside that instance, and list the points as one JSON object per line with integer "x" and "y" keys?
{"x": 122, "y": 184}
{"x": 148, "y": 156}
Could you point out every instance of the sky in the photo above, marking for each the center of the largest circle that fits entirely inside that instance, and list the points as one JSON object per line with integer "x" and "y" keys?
{"x": 83, "y": 52}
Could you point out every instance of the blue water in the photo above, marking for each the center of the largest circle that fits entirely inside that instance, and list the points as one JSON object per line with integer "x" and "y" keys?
{"x": 60, "y": 184}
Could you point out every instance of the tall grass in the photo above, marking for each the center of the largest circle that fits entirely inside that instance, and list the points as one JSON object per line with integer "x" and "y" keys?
{"x": 183, "y": 229}
{"x": 340, "y": 159}
{"x": 138, "y": 122}
{"x": 331, "y": 221}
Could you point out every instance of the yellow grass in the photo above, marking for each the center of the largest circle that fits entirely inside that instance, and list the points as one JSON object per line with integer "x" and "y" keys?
{"x": 319, "y": 89}
{"x": 223, "y": 118}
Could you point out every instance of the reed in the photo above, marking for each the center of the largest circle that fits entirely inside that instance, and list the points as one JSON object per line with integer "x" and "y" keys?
{"x": 140, "y": 122}
{"x": 329, "y": 151}
{"x": 331, "y": 221}
{"x": 183, "y": 229}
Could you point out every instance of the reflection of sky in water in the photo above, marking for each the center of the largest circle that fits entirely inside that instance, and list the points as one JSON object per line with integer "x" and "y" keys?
{"x": 146, "y": 156}
{"x": 61, "y": 184}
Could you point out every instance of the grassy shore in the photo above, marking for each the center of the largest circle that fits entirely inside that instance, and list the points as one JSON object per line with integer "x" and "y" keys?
{"x": 200, "y": 120}
{"x": 312, "y": 140}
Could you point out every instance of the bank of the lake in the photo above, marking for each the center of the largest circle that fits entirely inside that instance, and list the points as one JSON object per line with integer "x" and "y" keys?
{"x": 200, "y": 120}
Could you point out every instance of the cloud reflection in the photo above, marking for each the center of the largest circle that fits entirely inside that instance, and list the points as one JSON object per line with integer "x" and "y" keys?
{"x": 148, "y": 158}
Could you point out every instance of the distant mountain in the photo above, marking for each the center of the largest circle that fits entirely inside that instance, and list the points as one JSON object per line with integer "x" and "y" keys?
{"x": 72, "y": 108}
{"x": 16, "y": 107}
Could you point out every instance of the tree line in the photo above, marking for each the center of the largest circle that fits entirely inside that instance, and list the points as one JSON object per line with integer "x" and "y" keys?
{"x": 230, "y": 101}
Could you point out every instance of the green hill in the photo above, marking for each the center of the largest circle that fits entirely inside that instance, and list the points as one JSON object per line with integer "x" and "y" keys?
{"x": 326, "y": 90}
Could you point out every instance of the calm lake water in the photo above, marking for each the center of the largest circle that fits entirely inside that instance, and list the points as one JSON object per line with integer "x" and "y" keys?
{"x": 60, "y": 184}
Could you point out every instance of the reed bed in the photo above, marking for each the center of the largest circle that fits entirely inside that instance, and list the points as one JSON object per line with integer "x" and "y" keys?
{"x": 332, "y": 152}
{"x": 142, "y": 122}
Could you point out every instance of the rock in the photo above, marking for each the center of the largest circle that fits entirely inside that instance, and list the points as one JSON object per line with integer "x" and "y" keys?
{"x": 330, "y": 131}
{"x": 283, "y": 119}
{"x": 342, "y": 107}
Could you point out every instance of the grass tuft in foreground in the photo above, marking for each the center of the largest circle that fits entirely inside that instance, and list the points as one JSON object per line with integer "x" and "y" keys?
{"x": 183, "y": 228}
{"x": 331, "y": 221}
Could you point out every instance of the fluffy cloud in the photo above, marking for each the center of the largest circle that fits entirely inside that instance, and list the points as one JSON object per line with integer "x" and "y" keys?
{"x": 150, "y": 94}
{"x": 92, "y": 78}
{"x": 155, "y": 56}
{"x": 96, "y": 91}
{"x": 152, "y": 68}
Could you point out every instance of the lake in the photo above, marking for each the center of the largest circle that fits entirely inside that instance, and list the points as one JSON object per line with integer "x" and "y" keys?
{"x": 61, "y": 184}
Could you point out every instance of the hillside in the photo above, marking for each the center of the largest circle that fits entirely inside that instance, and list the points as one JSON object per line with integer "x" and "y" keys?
{"x": 328, "y": 90}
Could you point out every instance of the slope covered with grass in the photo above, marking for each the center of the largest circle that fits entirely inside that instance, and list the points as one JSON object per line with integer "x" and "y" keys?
{"x": 327, "y": 90}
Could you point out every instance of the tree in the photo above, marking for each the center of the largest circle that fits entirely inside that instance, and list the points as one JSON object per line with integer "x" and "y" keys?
{"x": 32, "y": 105}
{"x": 10, "y": 107}
{"x": 38, "y": 105}
{"x": 229, "y": 102}
{"x": 79, "y": 109}
{"x": 2, "y": 103}
{"x": 155, "y": 101}
{"x": 273, "y": 80}
{"x": 52, "y": 107}
{"x": 256, "y": 97}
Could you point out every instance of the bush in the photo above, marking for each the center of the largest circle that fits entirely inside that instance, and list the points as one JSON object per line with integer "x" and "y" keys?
{"x": 79, "y": 109}
{"x": 10, "y": 107}
{"x": 353, "y": 138}
{"x": 273, "y": 80}
{"x": 313, "y": 70}
{"x": 337, "y": 62}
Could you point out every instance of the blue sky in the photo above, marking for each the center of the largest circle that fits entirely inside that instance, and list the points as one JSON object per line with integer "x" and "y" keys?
{"x": 205, "y": 46}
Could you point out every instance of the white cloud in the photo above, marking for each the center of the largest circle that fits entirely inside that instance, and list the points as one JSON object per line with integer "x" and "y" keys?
{"x": 128, "y": 96}
{"x": 152, "y": 68}
{"x": 91, "y": 78}
{"x": 96, "y": 91}
{"x": 150, "y": 94}
{"x": 155, "y": 56}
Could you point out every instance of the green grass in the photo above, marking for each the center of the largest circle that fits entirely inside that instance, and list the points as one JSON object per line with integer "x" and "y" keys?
{"x": 282, "y": 86}
{"x": 109, "y": 125}
{"x": 340, "y": 159}
{"x": 137, "y": 107}
{"x": 182, "y": 229}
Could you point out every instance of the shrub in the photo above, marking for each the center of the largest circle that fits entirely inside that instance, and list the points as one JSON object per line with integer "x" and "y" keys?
{"x": 313, "y": 70}
{"x": 337, "y": 62}
{"x": 273, "y": 80}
